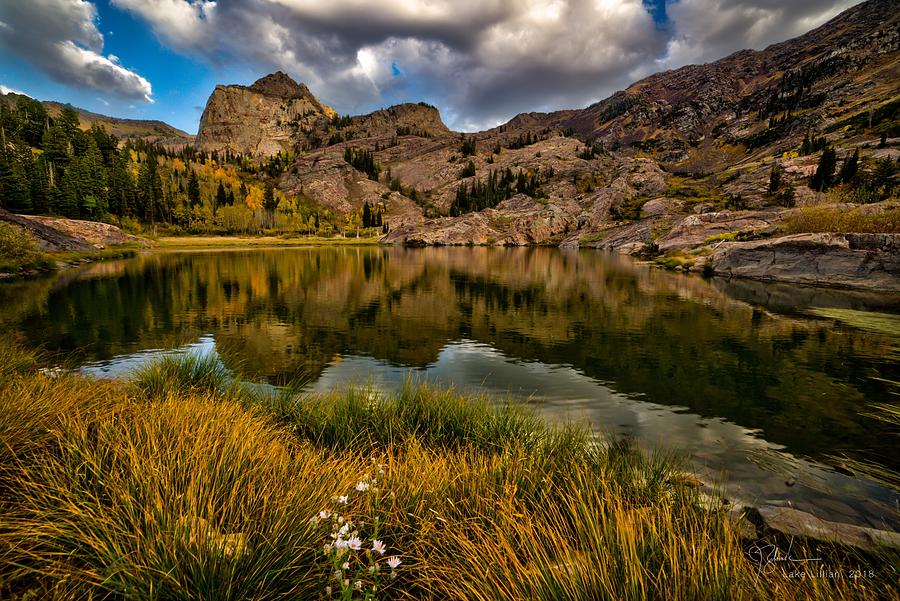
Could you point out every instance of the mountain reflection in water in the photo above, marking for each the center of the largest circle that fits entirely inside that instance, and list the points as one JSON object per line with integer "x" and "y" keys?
{"x": 737, "y": 374}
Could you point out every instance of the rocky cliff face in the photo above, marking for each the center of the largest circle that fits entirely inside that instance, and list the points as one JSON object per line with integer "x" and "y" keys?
{"x": 261, "y": 120}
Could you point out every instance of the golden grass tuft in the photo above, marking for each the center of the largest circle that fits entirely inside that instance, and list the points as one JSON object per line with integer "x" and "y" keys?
{"x": 207, "y": 492}
{"x": 823, "y": 219}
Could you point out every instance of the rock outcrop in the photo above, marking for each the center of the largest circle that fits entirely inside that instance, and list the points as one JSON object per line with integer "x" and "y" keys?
{"x": 58, "y": 234}
{"x": 262, "y": 119}
{"x": 870, "y": 261}
{"x": 403, "y": 119}
{"x": 518, "y": 221}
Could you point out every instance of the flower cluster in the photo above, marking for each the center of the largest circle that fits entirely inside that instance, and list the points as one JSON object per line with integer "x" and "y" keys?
{"x": 354, "y": 550}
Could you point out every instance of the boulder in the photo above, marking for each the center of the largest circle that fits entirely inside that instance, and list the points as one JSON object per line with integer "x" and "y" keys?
{"x": 792, "y": 522}
{"x": 693, "y": 230}
{"x": 868, "y": 261}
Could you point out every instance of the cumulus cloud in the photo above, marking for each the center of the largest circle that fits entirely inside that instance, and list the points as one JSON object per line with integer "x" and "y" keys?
{"x": 7, "y": 90}
{"x": 480, "y": 61}
{"x": 60, "y": 37}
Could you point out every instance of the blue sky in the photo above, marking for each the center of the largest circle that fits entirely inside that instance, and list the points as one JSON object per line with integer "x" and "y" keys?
{"x": 479, "y": 61}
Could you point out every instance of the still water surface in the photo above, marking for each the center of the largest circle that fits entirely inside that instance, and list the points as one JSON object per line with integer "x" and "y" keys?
{"x": 748, "y": 379}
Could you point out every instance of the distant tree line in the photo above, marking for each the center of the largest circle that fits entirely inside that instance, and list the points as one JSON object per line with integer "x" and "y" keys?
{"x": 363, "y": 160}
{"x": 479, "y": 195}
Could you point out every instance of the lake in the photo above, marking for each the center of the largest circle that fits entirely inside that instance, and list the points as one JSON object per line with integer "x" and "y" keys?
{"x": 764, "y": 387}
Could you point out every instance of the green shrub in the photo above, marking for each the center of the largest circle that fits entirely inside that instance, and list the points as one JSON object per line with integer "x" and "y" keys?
{"x": 15, "y": 244}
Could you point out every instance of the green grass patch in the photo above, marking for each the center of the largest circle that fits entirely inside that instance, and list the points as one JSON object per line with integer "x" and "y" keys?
{"x": 592, "y": 237}
{"x": 726, "y": 237}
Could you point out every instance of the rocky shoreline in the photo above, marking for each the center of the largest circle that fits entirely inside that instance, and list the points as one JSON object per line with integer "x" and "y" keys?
{"x": 846, "y": 260}
{"x": 758, "y": 522}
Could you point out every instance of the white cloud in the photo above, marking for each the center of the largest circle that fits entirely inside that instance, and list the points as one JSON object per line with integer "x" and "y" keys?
{"x": 60, "y": 37}
{"x": 7, "y": 90}
{"x": 183, "y": 24}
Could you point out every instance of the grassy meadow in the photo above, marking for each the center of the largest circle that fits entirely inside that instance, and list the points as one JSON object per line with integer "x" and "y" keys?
{"x": 183, "y": 483}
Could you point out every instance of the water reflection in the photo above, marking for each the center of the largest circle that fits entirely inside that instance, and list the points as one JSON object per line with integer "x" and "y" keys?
{"x": 734, "y": 372}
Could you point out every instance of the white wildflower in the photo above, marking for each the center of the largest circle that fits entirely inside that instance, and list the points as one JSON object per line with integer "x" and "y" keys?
{"x": 378, "y": 547}
{"x": 393, "y": 562}
{"x": 324, "y": 514}
{"x": 346, "y": 565}
{"x": 362, "y": 486}
{"x": 358, "y": 585}
{"x": 354, "y": 544}
{"x": 343, "y": 499}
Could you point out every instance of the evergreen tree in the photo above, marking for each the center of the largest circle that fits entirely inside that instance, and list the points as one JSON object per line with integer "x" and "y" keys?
{"x": 193, "y": 189}
{"x": 40, "y": 187}
{"x": 367, "y": 215}
{"x": 122, "y": 194}
{"x": 849, "y": 168}
{"x": 67, "y": 204}
{"x": 32, "y": 120}
{"x": 468, "y": 146}
{"x": 774, "y": 178}
{"x": 69, "y": 121}
{"x": 824, "y": 175}
{"x": 270, "y": 203}
{"x": 149, "y": 190}
{"x": 54, "y": 200}
{"x": 221, "y": 197}
{"x": 15, "y": 194}
{"x": 93, "y": 185}
{"x": 364, "y": 161}
{"x": 57, "y": 147}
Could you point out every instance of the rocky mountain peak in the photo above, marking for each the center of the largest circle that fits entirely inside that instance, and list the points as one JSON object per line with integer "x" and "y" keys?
{"x": 280, "y": 84}
{"x": 262, "y": 119}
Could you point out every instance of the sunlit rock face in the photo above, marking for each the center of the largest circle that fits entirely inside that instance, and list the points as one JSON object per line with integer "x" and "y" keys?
{"x": 261, "y": 120}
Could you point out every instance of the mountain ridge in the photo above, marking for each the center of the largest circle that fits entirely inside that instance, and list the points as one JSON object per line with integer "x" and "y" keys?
{"x": 153, "y": 130}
